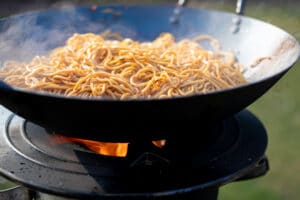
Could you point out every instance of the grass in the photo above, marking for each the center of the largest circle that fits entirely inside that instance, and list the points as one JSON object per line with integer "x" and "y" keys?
{"x": 279, "y": 110}
{"x": 4, "y": 184}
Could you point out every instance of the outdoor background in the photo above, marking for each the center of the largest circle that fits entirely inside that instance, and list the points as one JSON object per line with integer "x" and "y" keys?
{"x": 278, "y": 109}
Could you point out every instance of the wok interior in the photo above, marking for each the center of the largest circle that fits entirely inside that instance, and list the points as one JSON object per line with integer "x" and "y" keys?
{"x": 22, "y": 37}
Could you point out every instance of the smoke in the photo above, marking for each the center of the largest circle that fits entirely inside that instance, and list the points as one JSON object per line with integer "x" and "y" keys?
{"x": 22, "y": 37}
{"x": 35, "y": 33}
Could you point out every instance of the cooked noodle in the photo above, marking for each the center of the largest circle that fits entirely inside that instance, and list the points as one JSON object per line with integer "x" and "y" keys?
{"x": 109, "y": 66}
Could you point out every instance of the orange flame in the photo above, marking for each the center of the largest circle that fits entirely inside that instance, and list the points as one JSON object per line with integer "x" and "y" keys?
{"x": 104, "y": 148}
{"x": 159, "y": 143}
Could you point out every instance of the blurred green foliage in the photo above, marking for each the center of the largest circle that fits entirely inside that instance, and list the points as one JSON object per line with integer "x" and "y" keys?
{"x": 279, "y": 110}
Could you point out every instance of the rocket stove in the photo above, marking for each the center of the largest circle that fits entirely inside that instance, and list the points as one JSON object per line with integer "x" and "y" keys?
{"x": 184, "y": 168}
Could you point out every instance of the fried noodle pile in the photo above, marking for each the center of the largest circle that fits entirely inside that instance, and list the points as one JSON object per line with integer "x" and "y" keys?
{"x": 93, "y": 65}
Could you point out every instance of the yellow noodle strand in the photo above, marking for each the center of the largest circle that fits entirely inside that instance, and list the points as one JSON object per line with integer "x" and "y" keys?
{"x": 91, "y": 65}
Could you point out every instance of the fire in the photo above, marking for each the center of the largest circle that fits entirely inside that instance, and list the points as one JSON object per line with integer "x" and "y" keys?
{"x": 104, "y": 148}
{"x": 159, "y": 143}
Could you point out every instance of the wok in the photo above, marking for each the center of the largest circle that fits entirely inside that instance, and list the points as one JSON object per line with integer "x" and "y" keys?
{"x": 26, "y": 35}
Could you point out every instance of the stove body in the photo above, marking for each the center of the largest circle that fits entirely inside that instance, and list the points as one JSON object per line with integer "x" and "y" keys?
{"x": 185, "y": 168}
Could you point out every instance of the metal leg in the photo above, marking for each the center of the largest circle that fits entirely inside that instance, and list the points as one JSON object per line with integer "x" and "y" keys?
{"x": 240, "y": 7}
{"x": 182, "y": 2}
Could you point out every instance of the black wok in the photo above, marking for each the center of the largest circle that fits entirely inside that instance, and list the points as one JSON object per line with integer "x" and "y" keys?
{"x": 125, "y": 120}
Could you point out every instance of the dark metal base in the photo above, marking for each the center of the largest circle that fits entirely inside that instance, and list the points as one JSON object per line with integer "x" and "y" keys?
{"x": 181, "y": 170}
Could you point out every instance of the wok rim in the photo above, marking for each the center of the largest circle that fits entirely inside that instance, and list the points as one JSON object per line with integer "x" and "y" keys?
{"x": 144, "y": 100}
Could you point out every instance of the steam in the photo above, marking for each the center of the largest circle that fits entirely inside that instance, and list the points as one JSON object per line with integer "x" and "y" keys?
{"x": 24, "y": 36}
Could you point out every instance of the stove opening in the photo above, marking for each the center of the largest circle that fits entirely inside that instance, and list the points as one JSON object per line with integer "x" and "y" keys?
{"x": 114, "y": 149}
